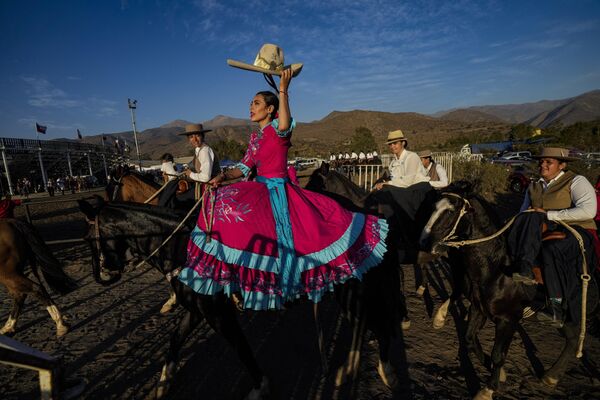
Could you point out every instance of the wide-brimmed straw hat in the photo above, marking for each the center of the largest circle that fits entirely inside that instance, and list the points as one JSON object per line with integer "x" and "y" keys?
{"x": 269, "y": 60}
{"x": 193, "y": 129}
{"x": 395, "y": 136}
{"x": 425, "y": 153}
{"x": 558, "y": 153}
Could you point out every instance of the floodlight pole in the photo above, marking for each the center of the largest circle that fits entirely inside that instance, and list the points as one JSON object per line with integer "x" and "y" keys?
{"x": 132, "y": 106}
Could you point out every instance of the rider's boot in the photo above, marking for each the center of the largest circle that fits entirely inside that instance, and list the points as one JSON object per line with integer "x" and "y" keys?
{"x": 553, "y": 314}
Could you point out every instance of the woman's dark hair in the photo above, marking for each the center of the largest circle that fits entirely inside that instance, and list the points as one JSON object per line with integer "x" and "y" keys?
{"x": 167, "y": 157}
{"x": 272, "y": 100}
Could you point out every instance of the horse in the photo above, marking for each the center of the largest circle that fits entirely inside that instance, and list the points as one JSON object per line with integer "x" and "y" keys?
{"x": 492, "y": 293}
{"x": 134, "y": 187}
{"x": 131, "y": 186}
{"x": 121, "y": 230}
{"x": 20, "y": 246}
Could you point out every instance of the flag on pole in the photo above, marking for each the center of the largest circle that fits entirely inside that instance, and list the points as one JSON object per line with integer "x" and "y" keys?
{"x": 79, "y": 135}
{"x": 40, "y": 128}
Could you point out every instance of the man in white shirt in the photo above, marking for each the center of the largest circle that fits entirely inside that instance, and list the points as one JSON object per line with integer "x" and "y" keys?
{"x": 362, "y": 157}
{"x": 354, "y": 157}
{"x": 167, "y": 167}
{"x": 406, "y": 199}
{"x": 438, "y": 178}
{"x": 203, "y": 167}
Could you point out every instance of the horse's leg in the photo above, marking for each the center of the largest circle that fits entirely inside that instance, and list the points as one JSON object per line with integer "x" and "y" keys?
{"x": 552, "y": 376}
{"x": 222, "y": 318}
{"x": 505, "y": 330}
{"x": 350, "y": 368}
{"x": 21, "y": 284}
{"x": 11, "y": 322}
{"x": 476, "y": 321}
{"x": 187, "y": 324}
{"x": 385, "y": 369}
{"x": 171, "y": 303}
{"x": 62, "y": 328}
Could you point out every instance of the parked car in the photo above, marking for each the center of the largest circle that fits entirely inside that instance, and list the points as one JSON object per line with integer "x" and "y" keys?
{"x": 592, "y": 160}
{"x": 516, "y": 155}
{"x": 520, "y": 178}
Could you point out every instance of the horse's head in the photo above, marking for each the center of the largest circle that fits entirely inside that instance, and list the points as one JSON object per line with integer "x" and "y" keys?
{"x": 447, "y": 222}
{"x": 337, "y": 186}
{"x": 318, "y": 179}
{"x": 107, "y": 251}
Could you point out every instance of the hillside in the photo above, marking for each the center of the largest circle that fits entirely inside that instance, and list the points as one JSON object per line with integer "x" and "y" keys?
{"x": 468, "y": 115}
{"x": 334, "y": 131}
{"x": 584, "y": 107}
{"x": 579, "y": 109}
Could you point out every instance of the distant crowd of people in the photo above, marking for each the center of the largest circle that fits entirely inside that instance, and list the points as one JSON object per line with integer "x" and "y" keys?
{"x": 354, "y": 158}
{"x": 24, "y": 186}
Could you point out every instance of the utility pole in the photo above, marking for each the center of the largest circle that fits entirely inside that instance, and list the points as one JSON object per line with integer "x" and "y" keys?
{"x": 132, "y": 106}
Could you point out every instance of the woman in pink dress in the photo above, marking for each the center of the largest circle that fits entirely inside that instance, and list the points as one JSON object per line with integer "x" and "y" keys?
{"x": 270, "y": 240}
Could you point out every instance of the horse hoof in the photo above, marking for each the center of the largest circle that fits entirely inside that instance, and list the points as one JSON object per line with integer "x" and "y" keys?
{"x": 502, "y": 377}
{"x": 261, "y": 392}
{"x": 405, "y": 325}
{"x": 340, "y": 377}
{"x": 549, "y": 381}
{"x": 7, "y": 332}
{"x": 166, "y": 309}
{"x": 484, "y": 394}
{"x": 62, "y": 330}
{"x": 421, "y": 290}
{"x": 438, "y": 323}
{"x": 387, "y": 374}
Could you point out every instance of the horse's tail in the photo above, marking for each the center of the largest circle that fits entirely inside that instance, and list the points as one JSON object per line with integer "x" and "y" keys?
{"x": 51, "y": 268}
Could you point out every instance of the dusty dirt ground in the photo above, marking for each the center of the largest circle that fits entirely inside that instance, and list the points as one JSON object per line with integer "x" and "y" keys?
{"x": 118, "y": 340}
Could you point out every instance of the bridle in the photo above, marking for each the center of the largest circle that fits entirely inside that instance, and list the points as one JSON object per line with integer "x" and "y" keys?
{"x": 446, "y": 240}
{"x": 117, "y": 183}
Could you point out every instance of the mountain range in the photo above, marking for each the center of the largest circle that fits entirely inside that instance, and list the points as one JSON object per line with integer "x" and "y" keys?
{"x": 333, "y": 132}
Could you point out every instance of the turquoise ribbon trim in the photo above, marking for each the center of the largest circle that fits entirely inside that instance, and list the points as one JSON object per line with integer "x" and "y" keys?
{"x": 289, "y": 277}
{"x": 266, "y": 263}
{"x": 286, "y": 133}
{"x": 269, "y": 301}
{"x": 243, "y": 167}
{"x": 206, "y": 286}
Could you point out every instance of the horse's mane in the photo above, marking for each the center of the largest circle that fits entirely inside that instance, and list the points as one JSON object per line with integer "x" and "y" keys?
{"x": 353, "y": 188}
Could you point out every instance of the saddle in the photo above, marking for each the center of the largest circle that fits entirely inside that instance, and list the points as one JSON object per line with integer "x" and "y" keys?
{"x": 183, "y": 186}
{"x": 546, "y": 235}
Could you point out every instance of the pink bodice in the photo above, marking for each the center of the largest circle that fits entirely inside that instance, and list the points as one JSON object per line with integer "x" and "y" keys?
{"x": 267, "y": 151}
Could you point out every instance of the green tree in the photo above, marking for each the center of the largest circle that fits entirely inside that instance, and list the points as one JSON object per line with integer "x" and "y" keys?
{"x": 229, "y": 149}
{"x": 363, "y": 140}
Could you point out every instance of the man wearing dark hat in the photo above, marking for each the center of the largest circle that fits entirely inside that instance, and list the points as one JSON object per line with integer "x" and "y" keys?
{"x": 203, "y": 167}
{"x": 559, "y": 195}
{"x": 438, "y": 178}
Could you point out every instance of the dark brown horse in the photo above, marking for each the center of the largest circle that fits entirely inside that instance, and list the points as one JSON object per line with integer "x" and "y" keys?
{"x": 20, "y": 246}
{"x": 492, "y": 293}
{"x": 118, "y": 230}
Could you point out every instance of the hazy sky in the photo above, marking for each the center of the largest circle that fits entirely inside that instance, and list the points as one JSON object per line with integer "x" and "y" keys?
{"x": 73, "y": 64}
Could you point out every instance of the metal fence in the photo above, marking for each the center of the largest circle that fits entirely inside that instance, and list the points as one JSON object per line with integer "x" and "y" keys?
{"x": 365, "y": 176}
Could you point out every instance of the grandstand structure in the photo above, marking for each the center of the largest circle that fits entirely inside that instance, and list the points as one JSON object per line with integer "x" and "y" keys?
{"x": 39, "y": 160}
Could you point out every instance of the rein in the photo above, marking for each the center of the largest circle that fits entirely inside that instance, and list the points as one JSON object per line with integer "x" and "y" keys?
{"x": 460, "y": 243}
{"x": 149, "y": 199}
{"x": 585, "y": 277}
{"x": 173, "y": 273}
